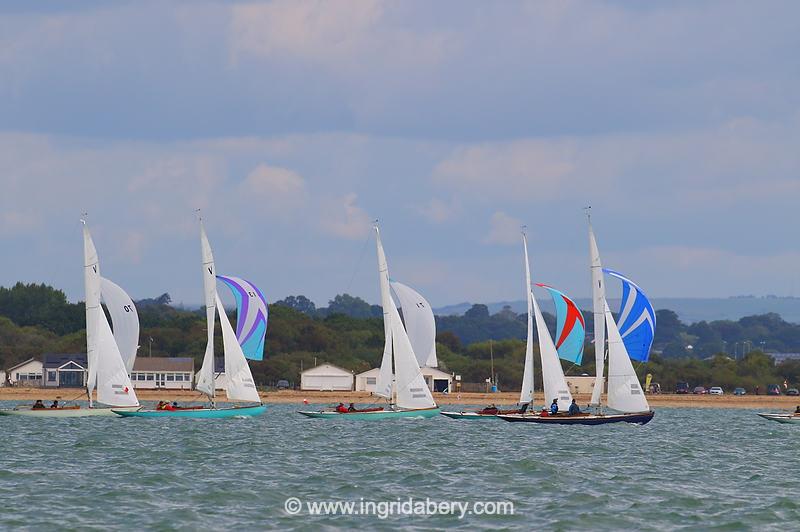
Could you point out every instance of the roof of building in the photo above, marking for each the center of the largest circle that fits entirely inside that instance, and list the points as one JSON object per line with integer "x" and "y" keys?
{"x": 369, "y": 372}
{"x": 56, "y": 360}
{"x": 12, "y": 368}
{"x": 326, "y": 369}
{"x": 163, "y": 364}
{"x": 435, "y": 372}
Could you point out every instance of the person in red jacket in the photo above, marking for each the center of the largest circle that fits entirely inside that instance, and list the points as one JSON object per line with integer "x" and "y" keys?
{"x": 341, "y": 408}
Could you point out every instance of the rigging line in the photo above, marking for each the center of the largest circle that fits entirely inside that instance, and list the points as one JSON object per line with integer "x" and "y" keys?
{"x": 358, "y": 263}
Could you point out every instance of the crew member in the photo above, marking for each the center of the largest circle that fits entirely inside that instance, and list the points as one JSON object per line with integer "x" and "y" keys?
{"x": 554, "y": 407}
{"x": 55, "y": 404}
{"x": 38, "y": 404}
{"x": 341, "y": 408}
{"x": 574, "y": 409}
{"x": 351, "y": 408}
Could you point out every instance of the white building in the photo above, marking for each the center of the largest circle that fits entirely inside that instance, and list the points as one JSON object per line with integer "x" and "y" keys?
{"x": 581, "y": 384}
{"x": 437, "y": 380}
{"x": 170, "y": 373}
{"x": 326, "y": 377}
{"x": 28, "y": 373}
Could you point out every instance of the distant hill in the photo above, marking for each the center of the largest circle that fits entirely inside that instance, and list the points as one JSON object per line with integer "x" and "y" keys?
{"x": 689, "y": 310}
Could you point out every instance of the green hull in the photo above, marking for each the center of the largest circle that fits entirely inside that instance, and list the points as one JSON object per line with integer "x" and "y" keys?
{"x": 379, "y": 414}
{"x": 199, "y": 413}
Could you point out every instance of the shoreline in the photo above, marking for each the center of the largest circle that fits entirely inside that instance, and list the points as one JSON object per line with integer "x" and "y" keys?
{"x": 781, "y": 402}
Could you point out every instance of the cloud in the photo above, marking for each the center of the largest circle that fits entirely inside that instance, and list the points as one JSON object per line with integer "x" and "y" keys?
{"x": 503, "y": 229}
{"x": 278, "y": 189}
{"x": 438, "y": 211}
{"x": 344, "y": 219}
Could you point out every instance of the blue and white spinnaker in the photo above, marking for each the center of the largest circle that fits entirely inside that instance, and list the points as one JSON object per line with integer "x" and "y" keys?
{"x": 637, "y": 319}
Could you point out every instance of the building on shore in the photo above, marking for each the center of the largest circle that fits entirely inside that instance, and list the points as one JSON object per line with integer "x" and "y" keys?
{"x": 28, "y": 373}
{"x": 65, "y": 370}
{"x": 436, "y": 379}
{"x": 166, "y": 373}
{"x": 326, "y": 378}
{"x": 581, "y": 384}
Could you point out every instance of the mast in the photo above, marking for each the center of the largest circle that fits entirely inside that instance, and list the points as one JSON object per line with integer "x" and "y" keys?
{"x": 598, "y": 309}
{"x": 526, "y": 394}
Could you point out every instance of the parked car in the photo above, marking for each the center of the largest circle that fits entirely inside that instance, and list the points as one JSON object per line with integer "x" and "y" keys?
{"x": 682, "y": 387}
{"x": 739, "y": 391}
{"x": 699, "y": 390}
{"x": 282, "y": 384}
{"x": 773, "y": 389}
{"x": 792, "y": 391}
{"x": 716, "y": 390}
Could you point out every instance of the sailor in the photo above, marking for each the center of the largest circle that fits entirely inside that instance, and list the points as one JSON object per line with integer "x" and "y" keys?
{"x": 797, "y": 411}
{"x": 544, "y": 413}
{"x": 38, "y": 404}
{"x": 554, "y": 407}
{"x": 55, "y": 404}
{"x": 341, "y": 408}
{"x": 574, "y": 408}
{"x": 351, "y": 408}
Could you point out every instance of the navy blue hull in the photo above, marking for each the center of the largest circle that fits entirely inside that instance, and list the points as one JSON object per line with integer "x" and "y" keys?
{"x": 639, "y": 418}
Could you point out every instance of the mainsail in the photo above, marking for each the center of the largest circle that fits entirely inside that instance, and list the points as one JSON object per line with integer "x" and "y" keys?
{"x": 107, "y": 371}
{"x": 412, "y": 391}
{"x": 205, "y": 377}
{"x": 637, "y": 319}
{"x": 555, "y": 385}
{"x": 526, "y": 395}
{"x": 419, "y": 322}
{"x": 570, "y": 328}
{"x": 598, "y": 307}
{"x": 251, "y": 312}
{"x": 124, "y": 318}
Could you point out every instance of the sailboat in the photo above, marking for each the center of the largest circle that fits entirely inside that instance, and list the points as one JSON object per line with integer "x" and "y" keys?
{"x": 241, "y": 386}
{"x": 555, "y": 385}
{"x": 110, "y": 355}
{"x": 405, "y": 386}
{"x": 625, "y": 394}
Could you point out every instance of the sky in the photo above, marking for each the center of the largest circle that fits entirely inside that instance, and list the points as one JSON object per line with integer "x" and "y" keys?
{"x": 293, "y": 124}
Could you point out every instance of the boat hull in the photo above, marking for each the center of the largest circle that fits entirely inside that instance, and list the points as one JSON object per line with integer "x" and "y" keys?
{"x": 198, "y": 413}
{"x": 639, "y": 418}
{"x": 67, "y": 412}
{"x": 469, "y": 416}
{"x": 780, "y": 417}
{"x": 375, "y": 415}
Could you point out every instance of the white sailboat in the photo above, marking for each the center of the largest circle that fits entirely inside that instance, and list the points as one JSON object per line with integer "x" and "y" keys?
{"x": 405, "y": 387}
{"x": 107, "y": 371}
{"x": 625, "y": 394}
{"x": 241, "y": 386}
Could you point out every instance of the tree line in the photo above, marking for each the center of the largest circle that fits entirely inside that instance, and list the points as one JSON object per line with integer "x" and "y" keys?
{"x": 37, "y": 319}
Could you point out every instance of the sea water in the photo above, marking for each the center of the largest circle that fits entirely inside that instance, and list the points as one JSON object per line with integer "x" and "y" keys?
{"x": 688, "y": 468}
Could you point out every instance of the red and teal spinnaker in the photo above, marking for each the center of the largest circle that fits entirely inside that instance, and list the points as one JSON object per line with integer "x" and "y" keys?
{"x": 570, "y": 327}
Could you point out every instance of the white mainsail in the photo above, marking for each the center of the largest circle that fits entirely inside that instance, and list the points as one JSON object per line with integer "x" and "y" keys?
{"x": 420, "y": 323}
{"x": 241, "y": 386}
{"x": 526, "y": 395}
{"x": 91, "y": 283}
{"x": 598, "y": 307}
{"x": 205, "y": 377}
{"x": 125, "y": 319}
{"x": 412, "y": 391}
{"x": 624, "y": 390}
{"x": 107, "y": 371}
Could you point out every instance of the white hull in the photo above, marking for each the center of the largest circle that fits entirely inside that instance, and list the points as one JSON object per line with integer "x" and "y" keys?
{"x": 780, "y": 417}
{"x": 64, "y": 412}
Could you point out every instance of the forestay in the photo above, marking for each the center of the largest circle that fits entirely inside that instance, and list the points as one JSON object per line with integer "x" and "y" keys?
{"x": 637, "y": 319}
{"x": 251, "y": 316}
{"x": 624, "y": 391}
{"x": 419, "y": 322}
{"x": 124, "y": 318}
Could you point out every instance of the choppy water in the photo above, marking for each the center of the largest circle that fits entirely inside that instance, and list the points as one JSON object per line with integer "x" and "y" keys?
{"x": 690, "y": 468}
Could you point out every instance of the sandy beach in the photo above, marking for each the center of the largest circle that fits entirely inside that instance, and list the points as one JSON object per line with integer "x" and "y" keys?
{"x": 25, "y": 395}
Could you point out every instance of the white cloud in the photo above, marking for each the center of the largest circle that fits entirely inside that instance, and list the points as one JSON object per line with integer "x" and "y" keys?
{"x": 503, "y": 229}
{"x": 438, "y": 211}
{"x": 278, "y": 189}
{"x": 343, "y": 218}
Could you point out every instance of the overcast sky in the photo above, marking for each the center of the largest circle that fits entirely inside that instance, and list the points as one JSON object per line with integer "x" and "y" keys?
{"x": 293, "y": 124}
